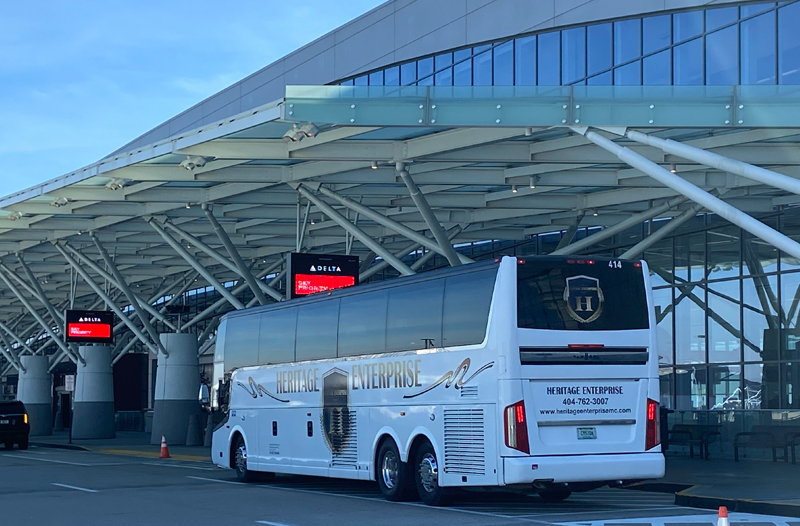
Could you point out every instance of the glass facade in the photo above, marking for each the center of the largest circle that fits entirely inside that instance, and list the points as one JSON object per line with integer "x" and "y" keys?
{"x": 750, "y": 44}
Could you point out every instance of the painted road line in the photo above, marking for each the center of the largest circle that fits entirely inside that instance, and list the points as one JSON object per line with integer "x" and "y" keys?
{"x": 610, "y": 510}
{"x": 220, "y": 481}
{"x": 25, "y": 457}
{"x": 87, "y": 490}
{"x": 269, "y": 523}
{"x": 173, "y": 465}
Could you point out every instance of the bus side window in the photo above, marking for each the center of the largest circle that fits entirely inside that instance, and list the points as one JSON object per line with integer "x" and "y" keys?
{"x": 274, "y": 428}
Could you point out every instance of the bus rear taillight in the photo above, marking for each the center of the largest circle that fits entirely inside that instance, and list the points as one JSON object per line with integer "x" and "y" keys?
{"x": 516, "y": 427}
{"x": 652, "y": 438}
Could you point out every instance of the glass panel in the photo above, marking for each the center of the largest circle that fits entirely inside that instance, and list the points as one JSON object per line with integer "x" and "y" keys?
{"x": 573, "y": 55}
{"x": 721, "y": 17}
{"x": 662, "y": 298}
{"x": 598, "y": 48}
{"x": 482, "y": 66}
{"x": 279, "y": 346}
{"x": 770, "y": 386}
{"x": 317, "y": 325}
{"x": 376, "y": 78}
{"x": 627, "y": 40}
{"x": 688, "y": 63}
{"x": 690, "y": 388}
{"x": 414, "y": 316}
{"x": 790, "y": 385}
{"x": 361, "y": 81}
{"x": 790, "y": 225}
{"x": 750, "y": 10}
{"x": 548, "y": 64}
{"x": 657, "y": 69}
{"x": 362, "y": 323}
{"x": 752, "y": 386}
{"x": 466, "y": 307}
{"x": 690, "y": 257}
{"x": 688, "y": 25}
{"x": 425, "y": 71}
{"x": 504, "y": 64}
{"x": 462, "y": 69}
{"x": 790, "y": 305}
{"x": 725, "y": 387}
{"x": 444, "y": 75}
{"x": 604, "y": 79}
{"x": 241, "y": 342}
{"x": 759, "y": 256}
{"x": 722, "y": 57}
{"x": 690, "y": 327}
{"x": 789, "y": 44}
{"x": 659, "y": 260}
{"x": 347, "y": 83}
{"x": 391, "y": 76}
{"x": 758, "y": 50}
{"x": 760, "y": 318}
{"x": 724, "y": 327}
{"x": 408, "y": 73}
{"x": 666, "y": 377}
{"x": 525, "y": 61}
{"x": 629, "y": 75}
{"x": 656, "y": 32}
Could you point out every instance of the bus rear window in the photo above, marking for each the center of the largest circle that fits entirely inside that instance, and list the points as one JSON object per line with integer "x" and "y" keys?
{"x": 580, "y": 294}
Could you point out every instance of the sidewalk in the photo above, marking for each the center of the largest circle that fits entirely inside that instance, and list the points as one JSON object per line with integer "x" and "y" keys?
{"x": 128, "y": 443}
{"x": 751, "y": 486}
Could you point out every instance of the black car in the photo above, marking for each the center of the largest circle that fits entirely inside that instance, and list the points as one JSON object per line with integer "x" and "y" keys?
{"x": 14, "y": 426}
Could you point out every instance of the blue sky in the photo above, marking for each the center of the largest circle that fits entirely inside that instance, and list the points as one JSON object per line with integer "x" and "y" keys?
{"x": 80, "y": 78}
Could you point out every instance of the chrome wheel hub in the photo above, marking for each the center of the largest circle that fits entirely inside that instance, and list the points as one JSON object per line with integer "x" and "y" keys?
{"x": 241, "y": 459}
{"x": 429, "y": 473}
{"x": 389, "y": 469}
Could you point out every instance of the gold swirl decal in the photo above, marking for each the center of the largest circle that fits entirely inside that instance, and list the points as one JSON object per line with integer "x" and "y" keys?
{"x": 255, "y": 390}
{"x": 455, "y": 376}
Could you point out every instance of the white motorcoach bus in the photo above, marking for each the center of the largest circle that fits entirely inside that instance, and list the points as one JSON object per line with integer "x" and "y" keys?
{"x": 538, "y": 372}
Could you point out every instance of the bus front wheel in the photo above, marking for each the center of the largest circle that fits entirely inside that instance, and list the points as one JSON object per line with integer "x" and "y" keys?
{"x": 426, "y": 476}
{"x": 392, "y": 474}
{"x": 240, "y": 460}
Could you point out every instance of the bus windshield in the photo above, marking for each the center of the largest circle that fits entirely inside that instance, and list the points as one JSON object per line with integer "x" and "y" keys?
{"x": 581, "y": 294}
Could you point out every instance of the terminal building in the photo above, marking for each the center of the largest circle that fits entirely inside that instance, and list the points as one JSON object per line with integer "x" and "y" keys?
{"x": 429, "y": 133}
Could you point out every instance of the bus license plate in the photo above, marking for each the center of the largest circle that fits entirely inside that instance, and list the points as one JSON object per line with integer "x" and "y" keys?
{"x": 587, "y": 433}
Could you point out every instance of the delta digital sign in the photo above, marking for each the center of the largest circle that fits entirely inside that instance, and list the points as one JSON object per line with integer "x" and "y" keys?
{"x": 312, "y": 273}
{"x": 90, "y": 326}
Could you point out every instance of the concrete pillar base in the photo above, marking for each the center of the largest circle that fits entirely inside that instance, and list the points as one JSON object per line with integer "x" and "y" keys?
{"x": 35, "y": 391}
{"x": 177, "y": 388}
{"x": 93, "y": 412}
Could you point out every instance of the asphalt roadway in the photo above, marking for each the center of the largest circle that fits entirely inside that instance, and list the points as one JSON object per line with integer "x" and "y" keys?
{"x": 43, "y": 486}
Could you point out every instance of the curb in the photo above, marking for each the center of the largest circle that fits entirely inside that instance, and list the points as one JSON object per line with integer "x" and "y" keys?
{"x": 71, "y": 447}
{"x": 740, "y": 505}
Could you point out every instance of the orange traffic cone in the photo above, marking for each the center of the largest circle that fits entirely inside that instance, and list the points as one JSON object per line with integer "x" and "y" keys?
{"x": 722, "y": 518}
{"x": 164, "y": 448}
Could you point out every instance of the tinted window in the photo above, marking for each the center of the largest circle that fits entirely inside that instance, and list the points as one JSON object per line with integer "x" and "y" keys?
{"x": 376, "y": 78}
{"x": 720, "y": 17}
{"x": 424, "y": 71}
{"x": 504, "y": 64}
{"x": 628, "y": 75}
{"x": 688, "y": 25}
{"x": 549, "y": 54}
{"x": 462, "y": 70}
{"x": 277, "y": 336}
{"x": 241, "y": 342}
{"x": 627, "y": 40}
{"x": 12, "y": 408}
{"x": 362, "y": 323}
{"x": 317, "y": 325}
{"x": 392, "y": 76}
{"x": 789, "y": 44}
{"x": 482, "y": 64}
{"x": 657, "y": 69}
{"x": 573, "y": 60}
{"x": 598, "y": 298}
{"x": 408, "y": 73}
{"x": 415, "y": 314}
{"x": 722, "y": 57}
{"x": 598, "y": 48}
{"x": 656, "y": 33}
{"x": 525, "y": 61}
{"x": 467, "y": 299}
{"x": 444, "y": 75}
{"x": 758, "y": 50}
{"x": 688, "y": 63}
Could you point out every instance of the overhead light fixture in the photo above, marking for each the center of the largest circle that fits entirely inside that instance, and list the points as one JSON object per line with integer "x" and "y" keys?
{"x": 190, "y": 163}
{"x": 594, "y": 212}
{"x": 188, "y": 205}
{"x": 673, "y": 168}
{"x": 309, "y": 130}
{"x": 116, "y": 184}
{"x": 533, "y": 181}
{"x": 514, "y": 188}
{"x": 13, "y": 216}
{"x": 312, "y": 222}
{"x": 374, "y": 165}
{"x": 528, "y": 132}
{"x": 59, "y": 202}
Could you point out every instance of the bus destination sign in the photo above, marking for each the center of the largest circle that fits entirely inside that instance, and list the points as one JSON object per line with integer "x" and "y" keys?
{"x": 312, "y": 273}
{"x": 90, "y": 326}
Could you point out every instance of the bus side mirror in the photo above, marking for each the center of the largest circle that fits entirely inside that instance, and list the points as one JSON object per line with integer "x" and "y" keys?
{"x": 205, "y": 396}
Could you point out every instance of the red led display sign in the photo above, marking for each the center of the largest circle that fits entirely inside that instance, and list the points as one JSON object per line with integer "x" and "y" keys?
{"x": 86, "y": 326}
{"x": 312, "y": 273}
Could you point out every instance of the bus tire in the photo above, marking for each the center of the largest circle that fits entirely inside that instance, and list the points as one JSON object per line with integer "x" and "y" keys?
{"x": 392, "y": 474}
{"x": 555, "y": 495}
{"x": 426, "y": 476}
{"x": 239, "y": 460}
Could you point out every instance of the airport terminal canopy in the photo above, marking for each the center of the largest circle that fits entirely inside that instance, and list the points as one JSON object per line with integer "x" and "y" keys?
{"x": 387, "y": 171}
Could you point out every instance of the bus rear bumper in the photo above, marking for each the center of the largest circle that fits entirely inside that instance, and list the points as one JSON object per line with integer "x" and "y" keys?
{"x": 583, "y": 468}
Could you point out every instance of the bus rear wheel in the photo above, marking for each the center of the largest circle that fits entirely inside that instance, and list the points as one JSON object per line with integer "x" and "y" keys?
{"x": 426, "y": 476}
{"x": 240, "y": 460}
{"x": 392, "y": 473}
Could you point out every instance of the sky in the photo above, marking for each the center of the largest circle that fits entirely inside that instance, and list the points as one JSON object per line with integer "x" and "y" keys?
{"x": 81, "y": 78}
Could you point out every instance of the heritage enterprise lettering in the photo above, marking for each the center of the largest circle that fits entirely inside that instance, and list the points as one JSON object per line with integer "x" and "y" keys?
{"x": 585, "y": 390}
{"x": 398, "y": 374}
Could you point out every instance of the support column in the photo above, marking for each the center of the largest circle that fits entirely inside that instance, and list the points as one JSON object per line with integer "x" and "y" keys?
{"x": 93, "y": 411}
{"x": 177, "y": 388}
{"x": 35, "y": 391}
